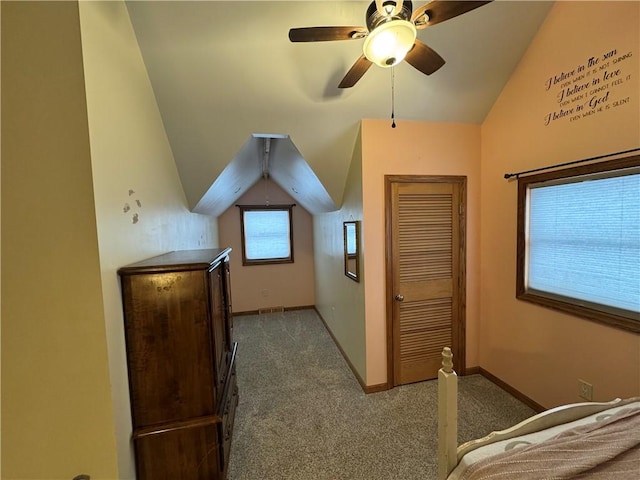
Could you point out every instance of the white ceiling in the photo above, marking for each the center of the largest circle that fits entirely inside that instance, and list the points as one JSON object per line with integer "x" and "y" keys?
{"x": 225, "y": 73}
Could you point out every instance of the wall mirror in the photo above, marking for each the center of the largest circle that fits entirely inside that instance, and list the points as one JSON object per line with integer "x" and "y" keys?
{"x": 352, "y": 250}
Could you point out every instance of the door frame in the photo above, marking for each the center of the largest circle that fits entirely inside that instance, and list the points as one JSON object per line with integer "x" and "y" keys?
{"x": 459, "y": 360}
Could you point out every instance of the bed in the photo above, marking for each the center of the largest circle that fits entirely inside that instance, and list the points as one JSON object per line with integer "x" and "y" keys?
{"x": 588, "y": 440}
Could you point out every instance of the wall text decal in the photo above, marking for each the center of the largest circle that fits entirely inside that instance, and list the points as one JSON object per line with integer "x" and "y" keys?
{"x": 590, "y": 88}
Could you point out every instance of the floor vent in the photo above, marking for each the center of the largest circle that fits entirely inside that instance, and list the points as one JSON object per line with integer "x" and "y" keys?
{"x": 271, "y": 310}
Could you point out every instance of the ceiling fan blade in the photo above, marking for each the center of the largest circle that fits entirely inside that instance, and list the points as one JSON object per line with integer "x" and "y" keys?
{"x": 441, "y": 10}
{"x": 424, "y": 58}
{"x": 356, "y": 72}
{"x": 326, "y": 34}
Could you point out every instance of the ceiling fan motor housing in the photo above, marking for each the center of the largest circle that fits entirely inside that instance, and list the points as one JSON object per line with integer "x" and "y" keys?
{"x": 374, "y": 18}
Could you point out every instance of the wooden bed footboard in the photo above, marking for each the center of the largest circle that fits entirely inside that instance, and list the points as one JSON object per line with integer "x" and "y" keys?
{"x": 447, "y": 416}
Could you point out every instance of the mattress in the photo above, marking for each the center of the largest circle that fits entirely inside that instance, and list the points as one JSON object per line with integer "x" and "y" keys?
{"x": 532, "y": 439}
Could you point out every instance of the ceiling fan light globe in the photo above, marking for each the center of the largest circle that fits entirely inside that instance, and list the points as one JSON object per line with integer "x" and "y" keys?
{"x": 389, "y": 43}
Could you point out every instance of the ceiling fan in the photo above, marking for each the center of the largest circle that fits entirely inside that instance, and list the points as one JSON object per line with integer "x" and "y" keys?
{"x": 390, "y": 35}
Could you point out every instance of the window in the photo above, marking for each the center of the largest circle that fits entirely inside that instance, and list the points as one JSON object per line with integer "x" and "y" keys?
{"x": 267, "y": 234}
{"x": 579, "y": 241}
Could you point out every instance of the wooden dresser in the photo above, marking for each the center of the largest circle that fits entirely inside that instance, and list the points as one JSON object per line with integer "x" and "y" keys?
{"x": 181, "y": 362}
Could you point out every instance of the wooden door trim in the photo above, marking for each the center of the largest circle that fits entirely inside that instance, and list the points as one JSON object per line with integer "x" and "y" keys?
{"x": 460, "y": 334}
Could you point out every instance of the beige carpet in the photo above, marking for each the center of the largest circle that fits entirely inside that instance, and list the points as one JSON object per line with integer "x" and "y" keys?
{"x": 303, "y": 416}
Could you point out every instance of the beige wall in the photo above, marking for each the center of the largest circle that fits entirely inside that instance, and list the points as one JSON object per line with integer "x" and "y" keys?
{"x": 0, "y": 262}
{"x": 538, "y": 351}
{"x": 339, "y": 299}
{"x": 57, "y": 418}
{"x": 265, "y": 286}
{"x": 65, "y": 407}
{"x": 132, "y": 162}
{"x": 414, "y": 148}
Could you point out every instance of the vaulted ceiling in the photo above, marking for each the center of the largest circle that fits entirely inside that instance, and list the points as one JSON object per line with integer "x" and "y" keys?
{"x": 226, "y": 78}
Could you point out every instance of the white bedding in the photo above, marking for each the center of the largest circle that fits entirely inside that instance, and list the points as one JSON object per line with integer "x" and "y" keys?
{"x": 532, "y": 438}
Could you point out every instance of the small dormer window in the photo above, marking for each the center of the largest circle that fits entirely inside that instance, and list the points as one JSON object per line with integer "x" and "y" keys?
{"x": 267, "y": 234}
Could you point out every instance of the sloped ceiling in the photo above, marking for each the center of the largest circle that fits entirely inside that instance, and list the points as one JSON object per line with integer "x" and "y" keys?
{"x": 226, "y": 76}
{"x": 266, "y": 156}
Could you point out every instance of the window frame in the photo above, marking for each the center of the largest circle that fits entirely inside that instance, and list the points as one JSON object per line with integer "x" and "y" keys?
{"x": 611, "y": 316}
{"x": 251, "y": 208}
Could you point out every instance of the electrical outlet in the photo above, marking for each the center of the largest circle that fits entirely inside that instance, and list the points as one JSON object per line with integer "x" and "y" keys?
{"x": 585, "y": 390}
{"x": 265, "y": 293}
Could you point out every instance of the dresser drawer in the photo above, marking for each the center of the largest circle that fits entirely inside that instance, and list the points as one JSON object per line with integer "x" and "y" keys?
{"x": 179, "y": 451}
{"x": 227, "y": 413}
{"x": 226, "y": 429}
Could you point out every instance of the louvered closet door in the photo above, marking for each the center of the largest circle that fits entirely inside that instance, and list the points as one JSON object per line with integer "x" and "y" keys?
{"x": 425, "y": 236}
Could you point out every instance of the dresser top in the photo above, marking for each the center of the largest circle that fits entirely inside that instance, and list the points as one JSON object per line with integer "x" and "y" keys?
{"x": 177, "y": 260}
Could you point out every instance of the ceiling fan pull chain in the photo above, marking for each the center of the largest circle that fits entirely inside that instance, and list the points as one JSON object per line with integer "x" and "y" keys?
{"x": 393, "y": 94}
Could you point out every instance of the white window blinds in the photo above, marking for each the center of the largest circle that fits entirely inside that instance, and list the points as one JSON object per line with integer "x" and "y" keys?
{"x": 266, "y": 234}
{"x": 583, "y": 240}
